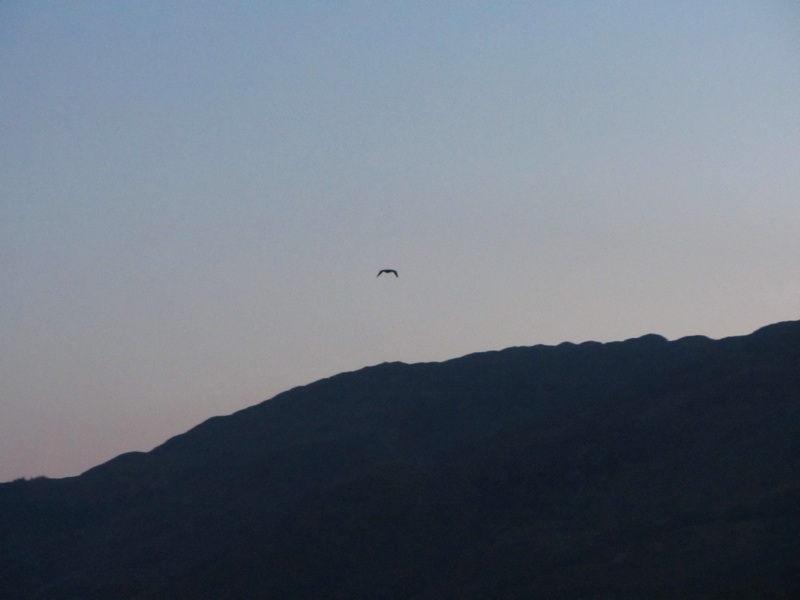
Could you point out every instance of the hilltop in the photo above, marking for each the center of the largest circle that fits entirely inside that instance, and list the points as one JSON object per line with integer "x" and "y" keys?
{"x": 644, "y": 468}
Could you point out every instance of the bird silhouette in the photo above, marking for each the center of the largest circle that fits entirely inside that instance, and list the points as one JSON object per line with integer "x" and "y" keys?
{"x": 382, "y": 271}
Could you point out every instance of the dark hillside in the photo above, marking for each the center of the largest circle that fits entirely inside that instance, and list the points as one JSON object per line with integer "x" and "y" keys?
{"x": 636, "y": 469}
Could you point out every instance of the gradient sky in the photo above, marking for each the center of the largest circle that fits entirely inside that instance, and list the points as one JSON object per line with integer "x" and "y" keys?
{"x": 196, "y": 196}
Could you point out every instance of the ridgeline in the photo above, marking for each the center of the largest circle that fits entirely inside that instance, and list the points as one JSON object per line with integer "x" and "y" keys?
{"x": 638, "y": 469}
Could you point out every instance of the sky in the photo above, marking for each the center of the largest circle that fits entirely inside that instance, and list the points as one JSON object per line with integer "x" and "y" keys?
{"x": 196, "y": 196}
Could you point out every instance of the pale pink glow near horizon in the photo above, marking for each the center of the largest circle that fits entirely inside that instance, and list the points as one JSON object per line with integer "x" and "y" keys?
{"x": 196, "y": 198}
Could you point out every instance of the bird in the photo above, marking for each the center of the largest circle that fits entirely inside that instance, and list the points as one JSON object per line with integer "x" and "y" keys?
{"x": 382, "y": 271}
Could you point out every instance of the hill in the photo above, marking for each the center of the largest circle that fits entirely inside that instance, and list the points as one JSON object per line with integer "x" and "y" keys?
{"x": 638, "y": 469}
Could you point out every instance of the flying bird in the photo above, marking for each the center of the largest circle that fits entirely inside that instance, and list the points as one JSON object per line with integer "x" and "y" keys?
{"x": 382, "y": 271}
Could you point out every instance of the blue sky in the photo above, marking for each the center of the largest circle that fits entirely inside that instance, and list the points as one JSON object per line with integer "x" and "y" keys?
{"x": 197, "y": 195}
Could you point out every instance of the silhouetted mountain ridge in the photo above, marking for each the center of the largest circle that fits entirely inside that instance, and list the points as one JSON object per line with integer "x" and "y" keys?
{"x": 643, "y": 468}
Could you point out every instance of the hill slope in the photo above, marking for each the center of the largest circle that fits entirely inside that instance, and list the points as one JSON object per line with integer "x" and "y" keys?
{"x": 643, "y": 468}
